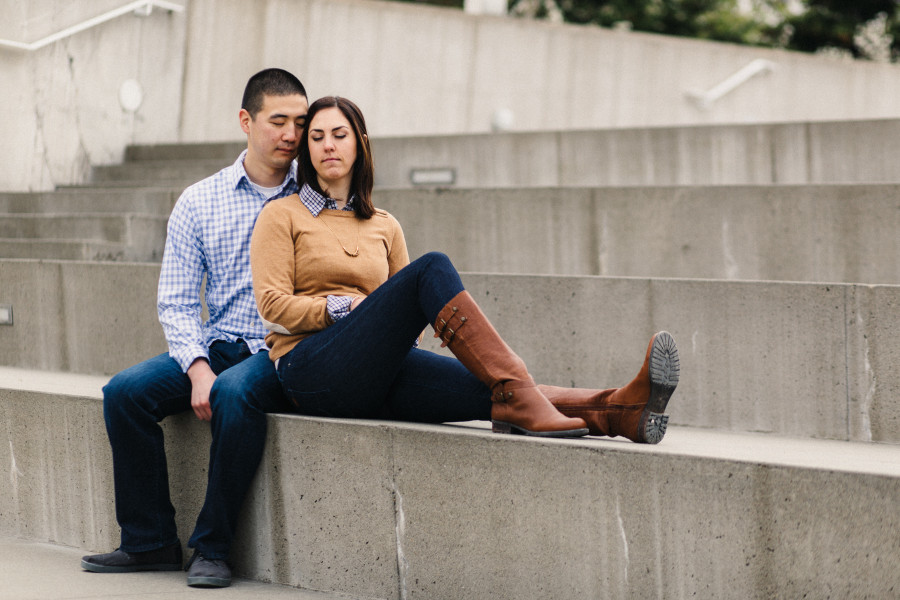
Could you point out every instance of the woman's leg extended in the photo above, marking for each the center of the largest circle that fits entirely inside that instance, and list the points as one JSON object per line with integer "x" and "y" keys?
{"x": 348, "y": 369}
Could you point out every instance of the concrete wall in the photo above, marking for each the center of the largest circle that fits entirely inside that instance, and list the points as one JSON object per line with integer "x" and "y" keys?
{"x": 62, "y": 101}
{"x": 413, "y": 69}
{"x": 387, "y": 510}
{"x": 417, "y": 69}
{"x": 810, "y": 360}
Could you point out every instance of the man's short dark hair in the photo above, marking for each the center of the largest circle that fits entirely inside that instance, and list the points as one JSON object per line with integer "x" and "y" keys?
{"x": 269, "y": 82}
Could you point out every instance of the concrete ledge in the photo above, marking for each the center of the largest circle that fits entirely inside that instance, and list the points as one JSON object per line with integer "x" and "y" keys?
{"x": 83, "y": 317}
{"x": 801, "y": 152}
{"x": 391, "y": 510}
{"x": 841, "y": 233}
{"x": 746, "y": 347}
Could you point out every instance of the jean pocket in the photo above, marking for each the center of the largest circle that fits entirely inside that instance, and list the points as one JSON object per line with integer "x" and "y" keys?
{"x": 315, "y": 404}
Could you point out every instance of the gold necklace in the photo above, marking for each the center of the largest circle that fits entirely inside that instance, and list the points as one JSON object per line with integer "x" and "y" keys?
{"x": 347, "y": 252}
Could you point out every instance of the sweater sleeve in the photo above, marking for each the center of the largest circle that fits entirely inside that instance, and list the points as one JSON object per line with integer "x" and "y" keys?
{"x": 398, "y": 255}
{"x": 272, "y": 260}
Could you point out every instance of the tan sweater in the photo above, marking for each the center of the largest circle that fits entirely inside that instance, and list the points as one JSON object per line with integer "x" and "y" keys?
{"x": 297, "y": 261}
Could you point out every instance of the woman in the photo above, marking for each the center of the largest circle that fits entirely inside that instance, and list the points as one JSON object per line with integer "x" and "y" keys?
{"x": 345, "y": 308}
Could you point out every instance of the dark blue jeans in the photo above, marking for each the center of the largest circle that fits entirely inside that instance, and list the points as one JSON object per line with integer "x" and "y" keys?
{"x": 138, "y": 398}
{"x": 365, "y": 366}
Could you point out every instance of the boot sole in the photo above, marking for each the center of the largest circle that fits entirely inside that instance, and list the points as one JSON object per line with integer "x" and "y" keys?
{"x": 665, "y": 368}
{"x": 503, "y": 427}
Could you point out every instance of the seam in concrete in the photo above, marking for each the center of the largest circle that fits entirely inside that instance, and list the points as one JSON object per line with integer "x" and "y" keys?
{"x": 731, "y": 264}
{"x": 871, "y": 381}
{"x": 623, "y": 535}
{"x": 14, "y": 474}
{"x": 399, "y": 524}
{"x": 848, "y": 392}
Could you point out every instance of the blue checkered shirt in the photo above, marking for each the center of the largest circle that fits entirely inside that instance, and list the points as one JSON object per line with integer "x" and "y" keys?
{"x": 338, "y": 307}
{"x": 208, "y": 234}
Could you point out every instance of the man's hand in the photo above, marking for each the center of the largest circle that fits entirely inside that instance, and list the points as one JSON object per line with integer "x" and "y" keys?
{"x": 202, "y": 379}
{"x": 355, "y": 302}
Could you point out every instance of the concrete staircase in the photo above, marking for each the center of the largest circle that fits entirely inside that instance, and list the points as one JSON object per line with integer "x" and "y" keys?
{"x": 779, "y": 477}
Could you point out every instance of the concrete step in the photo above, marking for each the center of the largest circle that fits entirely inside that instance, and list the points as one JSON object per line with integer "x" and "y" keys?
{"x": 108, "y": 227}
{"x": 227, "y": 151}
{"x": 810, "y": 360}
{"x": 169, "y": 172}
{"x": 72, "y": 250}
{"x": 799, "y": 152}
{"x": 135, "y": 236}
{"x": 843, "y": 233}
{"x": 379, "y": 509}
{"x": 811, "y": 152}
{"x": 157, "y": 200}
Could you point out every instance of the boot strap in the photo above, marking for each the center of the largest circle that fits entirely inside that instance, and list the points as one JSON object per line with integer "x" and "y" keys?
{"x": 448, "y": 323}
{"x": 504, "y": 391}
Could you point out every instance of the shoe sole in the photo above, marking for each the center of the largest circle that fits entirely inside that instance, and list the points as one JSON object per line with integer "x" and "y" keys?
{"x": 503, "y": 427}
{"x": 665, "y": 369}
{"x": 94, "y": 568}
{"x": 208, "y": 582}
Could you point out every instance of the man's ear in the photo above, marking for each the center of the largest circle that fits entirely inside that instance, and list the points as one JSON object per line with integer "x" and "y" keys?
{"x": 245, "y": 119}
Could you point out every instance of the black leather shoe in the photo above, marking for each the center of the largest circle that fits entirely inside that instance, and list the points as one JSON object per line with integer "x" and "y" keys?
{"x": 167, "y": 558}
{"x": 208, "y": 572}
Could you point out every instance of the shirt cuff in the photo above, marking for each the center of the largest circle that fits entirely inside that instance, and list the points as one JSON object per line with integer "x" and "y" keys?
{"x": 186, "y": 355}
{"x": 338, "y": 306}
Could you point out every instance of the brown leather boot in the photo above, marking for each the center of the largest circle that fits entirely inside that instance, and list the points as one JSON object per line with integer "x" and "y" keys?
{"x": 634, "y": 411}
{"x": 518, "y": 406}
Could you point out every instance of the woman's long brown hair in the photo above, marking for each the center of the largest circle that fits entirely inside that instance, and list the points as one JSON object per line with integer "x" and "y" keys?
{"x": 363, "y": 178}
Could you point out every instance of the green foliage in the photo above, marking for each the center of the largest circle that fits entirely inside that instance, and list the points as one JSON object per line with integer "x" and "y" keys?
{"x": 820, "y": 24}
{"x": 834, "y": 23}
{"x": 707, "y": 19}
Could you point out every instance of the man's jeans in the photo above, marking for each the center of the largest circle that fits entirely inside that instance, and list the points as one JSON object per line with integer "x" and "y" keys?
{"x": 135, "y": 400}
{"x": 365, "y": 366}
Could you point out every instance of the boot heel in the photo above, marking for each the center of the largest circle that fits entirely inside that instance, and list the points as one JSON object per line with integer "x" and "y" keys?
{"x": 500, "y": 427}
{"x": 655, "y": 427}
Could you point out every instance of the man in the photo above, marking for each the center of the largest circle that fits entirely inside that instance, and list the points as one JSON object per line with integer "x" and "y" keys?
{"x": 219, "y": 368}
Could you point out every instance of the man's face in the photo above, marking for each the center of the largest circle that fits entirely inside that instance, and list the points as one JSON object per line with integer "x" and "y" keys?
{"x": 274, "y": 135}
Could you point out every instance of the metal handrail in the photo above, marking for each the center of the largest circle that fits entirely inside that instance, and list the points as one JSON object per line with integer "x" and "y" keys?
{"x": 756, "y": 67}
{"x": 141, "y": 8}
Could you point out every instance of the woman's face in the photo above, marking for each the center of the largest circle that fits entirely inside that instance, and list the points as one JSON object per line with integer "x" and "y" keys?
{"x": 332, "y": 149}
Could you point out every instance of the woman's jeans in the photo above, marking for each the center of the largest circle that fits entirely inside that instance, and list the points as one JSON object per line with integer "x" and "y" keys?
{"x": 365, "y": 366}
{"x": 135, "y": 400}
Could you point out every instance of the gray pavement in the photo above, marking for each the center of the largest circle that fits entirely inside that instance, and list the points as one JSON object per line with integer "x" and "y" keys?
{"x": 35, "y": 571}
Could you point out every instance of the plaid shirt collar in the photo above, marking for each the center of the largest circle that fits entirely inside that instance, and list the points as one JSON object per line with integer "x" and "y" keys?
{"x": 238, "y": 173}
{"x": 316, "y": 202}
